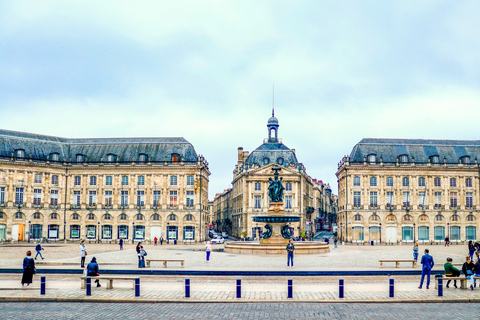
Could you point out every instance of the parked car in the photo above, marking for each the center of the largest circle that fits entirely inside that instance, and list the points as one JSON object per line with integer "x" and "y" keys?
{"x": 225, "y": 235}
{"x": 218, "y": 239}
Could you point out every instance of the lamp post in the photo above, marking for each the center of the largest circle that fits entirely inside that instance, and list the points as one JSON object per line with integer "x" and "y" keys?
{"x": 133, "y": 232}
{"x": 168, "y": 240}
{"x": 414, "y": 233}
{"x": 98, "y": 236}
{"x": 29, "y": 230}
{"x": 341, "y": 231}
{"x": 380, "y": 233}
{"x": 448, "y": 227}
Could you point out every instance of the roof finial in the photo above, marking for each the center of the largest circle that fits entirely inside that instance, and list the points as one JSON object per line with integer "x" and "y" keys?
{"x": 273, "y": 101}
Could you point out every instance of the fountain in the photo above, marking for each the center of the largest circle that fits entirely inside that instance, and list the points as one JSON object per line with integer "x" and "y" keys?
{"x": 276, "y": 237}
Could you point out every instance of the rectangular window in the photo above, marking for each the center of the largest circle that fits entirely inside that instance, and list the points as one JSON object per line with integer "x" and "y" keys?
{"x": 288, "y": 186}
{"x": 389, "y": 181}
{"x": 77, "y": 180}
{"x": 471, "y": 233}
{"x": 92, "y": 198}
{"x": 18, "y": 195}
{"x": 421, "y": 182}
{"x": 390, "y": 198}
{"x": 38, "y": 178}
{"x": 437, "y": 182}
{"x": 140, "y": 198}
{"x": 438, "y": 199}
{"x": 76, "y": 198}
{"x": 156, "y": 198}
{"x": 2, "y": 195}
{"x": 453, "y": 199}
{"x": 356, "y": 199}
{"x": 54, "y": 179}
{"x": 124, "y": 180}
{"x": 189, "y": 180}
{"x": 37, "y": 196}
{"x": 421, "y": 199}
{"x": 108, "y": 180}
{"x": 439, "y": 233}
{"x": 258, "y": 202}
{"x": 407, "y": 233}
{"x": 423, "y": 233}
{"x": 406, "y": 198}
{"x": 124, "y": 198}
{"x": 93, "y": 180}
{"x": 454, "y": 233}
{"x": 173, "y": 198}
{"x": 108, "y": 198}
{"x": 373, "y": 182}
{"x": 288, "y": 202}
{"x": 453, "y": 182}
{"x": 373, "y": 199}
{"x": 173, "y": 180}
{"x": 54, "y": 197}
{"x": 405, "y": 182}
{"x": 190, "y": 199}
{"x": 356, "y": 181}
{"x": 468, "y": 182}
{"x": 258, "y": 186}
{"x": 469, "y": 200}
{"x": 141, "y": 180}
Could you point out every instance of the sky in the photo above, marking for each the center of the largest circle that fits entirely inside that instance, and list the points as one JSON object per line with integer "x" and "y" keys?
{"x": 205, "y": 71}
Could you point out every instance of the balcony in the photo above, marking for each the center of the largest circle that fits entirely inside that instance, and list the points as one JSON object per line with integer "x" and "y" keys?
{"x": 37, "y": 204}
{"x": 357, "y": 207}
{"x": 454, "y": 207}
{"x": 373, "y": 207}
{"x": 438, "y": 206}
{"x": 19, "y": 204}
{"x": 190, "y": 207}
{"x": 140, "y": 206}
{"x": 75, "y": 206}
{"x": 406, "y": 206}
{"x": 92, "y": 206}
{"x": 422, "y": 207}
{"x": 108, "y": 206}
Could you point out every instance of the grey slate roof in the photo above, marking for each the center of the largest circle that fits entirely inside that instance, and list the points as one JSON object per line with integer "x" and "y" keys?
{"x": 39, "y": 147}
{"x": 272, "y": 151}
{"x": 421, "y": 149}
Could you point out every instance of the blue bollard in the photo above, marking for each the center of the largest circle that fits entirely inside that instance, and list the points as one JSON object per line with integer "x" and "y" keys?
{"x": 440, "y": 286}
{"x": 341, "y": 288}
{"x": 290, "y": 289}
{"x": 239, "y": 288}
{"x": 42, "y": 285}
{"x": 392, "y": 288}
{"x": 187, "y": 288}
{"x": 137, "y": 287}
{"x": 89, "y": 286}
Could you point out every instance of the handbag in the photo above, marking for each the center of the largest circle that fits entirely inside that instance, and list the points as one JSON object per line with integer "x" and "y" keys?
{"x": 86, "y": 252}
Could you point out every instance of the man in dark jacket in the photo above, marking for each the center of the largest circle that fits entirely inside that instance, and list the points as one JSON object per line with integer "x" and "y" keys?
{"x": 427, "y": 265}
{"x": 39, "y": 249}
{"x": 92, "y": 270}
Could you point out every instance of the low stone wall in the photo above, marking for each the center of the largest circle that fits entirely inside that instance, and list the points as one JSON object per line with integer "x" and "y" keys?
{"x": 304, "y": 247}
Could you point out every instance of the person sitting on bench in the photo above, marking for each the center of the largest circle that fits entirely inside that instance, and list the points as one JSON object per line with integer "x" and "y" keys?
{"x": 92, "y": 270}
{"x": 451, "y": 271}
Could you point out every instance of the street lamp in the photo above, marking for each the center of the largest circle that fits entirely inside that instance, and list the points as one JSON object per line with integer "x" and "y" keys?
{"x": 98, "y": 236}
{"x": 414, "y": 233}
{"x": 341, "y": 231}
{"x": 448, "y": 227}
{"x": 29, "y": 230}
{"x": 380, "y": 233}
{"x": 133, "y": 232}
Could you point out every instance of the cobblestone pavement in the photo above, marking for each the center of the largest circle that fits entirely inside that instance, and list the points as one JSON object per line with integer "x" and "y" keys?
{"x": 347, "y": 257}
{"x": 237, "y": 311}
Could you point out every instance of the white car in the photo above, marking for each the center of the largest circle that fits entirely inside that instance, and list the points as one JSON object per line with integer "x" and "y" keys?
{"x": 218, "y": 240}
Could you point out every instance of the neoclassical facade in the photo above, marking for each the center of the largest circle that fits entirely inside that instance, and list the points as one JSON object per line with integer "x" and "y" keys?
{"x": 398, "y": 191}
{"x": 101, "y": 189}
{"x": 248, "y": 196}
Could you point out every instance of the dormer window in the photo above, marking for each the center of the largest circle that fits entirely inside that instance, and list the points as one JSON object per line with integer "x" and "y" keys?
{"x": 435, "y": 159}
{"x": 465, "y": 160}
{"x": 111, "y": 157}
{"x": 372, "y": 158}
{"x": 80, "y": 158}
{"x": 175, "y": 157}
{"x": 142, "y": 158}
{"x": 403, "y": 158}
{"x": 54, "y": 156}
{"x": 266, "y": 161}
{"x": 280, "y": 161}
{"x": 20, "y": 153}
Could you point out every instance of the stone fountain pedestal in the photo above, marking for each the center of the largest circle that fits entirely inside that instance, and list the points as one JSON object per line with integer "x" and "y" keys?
{"x": 276, "y": 209}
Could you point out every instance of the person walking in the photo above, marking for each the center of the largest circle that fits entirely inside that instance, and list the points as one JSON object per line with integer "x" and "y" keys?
{"x": 83, "y": 253}
{"x": 141, "y": 259}
{"x": 208, "y": 249}
{"x": 335, "y": 240}
{"x": 451, "y": 271}
{"x": 28, "y": 269}
{"x": 427, "y": 265}
{"x": 447, "y": 241}
{"x": 415, "y": 251}
{"x": 468, "y": 270}
{"x": 290, "y": 250}
{"x": 121, "y": 244}
{"x": 155, "y": 240}
{"x": 471, "y": 249}
{"x": 93, "y": 271}
{"x": 161, "y": 240}
{"x": 39, "y": 249}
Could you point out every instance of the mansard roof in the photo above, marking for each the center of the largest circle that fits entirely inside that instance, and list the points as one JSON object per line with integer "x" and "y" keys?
{"x": 269, "y": 152}
{"x": 422, "y": 150}
{"x": 40, "y": 147}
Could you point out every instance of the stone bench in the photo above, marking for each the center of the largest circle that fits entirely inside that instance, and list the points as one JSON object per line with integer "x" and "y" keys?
{"x": 165, "y": 261}
{"x": 108, "y": 278}
{"x": 397, "y": 261}
{"x": 463, "y": 281}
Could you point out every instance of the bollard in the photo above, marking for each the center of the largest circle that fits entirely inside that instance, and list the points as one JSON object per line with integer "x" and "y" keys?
{"x": 340, "y": 288}
{"x": 137, "y": 287}
{"x": 239, "y": 288}
{"x": 392, "y": 288}
{"x": 42, "y": 285}
{"x": 440, "y": 286}
{"x": 89, "y": 286}
{"x": 187, "y": 288}
{"x": 290, "y": 289}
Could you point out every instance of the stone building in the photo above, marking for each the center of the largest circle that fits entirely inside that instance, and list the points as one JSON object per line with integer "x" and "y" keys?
{"x": 325, "y": 206}
{"x": 248, "y": 196}
{"x": 101, "y": 189}
{"x": 398, "y": 191}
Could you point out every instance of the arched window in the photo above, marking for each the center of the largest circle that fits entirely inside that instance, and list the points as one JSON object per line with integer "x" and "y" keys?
{"x": 438, "y": 217}
{"x": 156, "y": 217}
{"x": 423, "y": 218}
{"x": 434, "y": 159}
{"x": 141, "y": 180}
{"x": 172, "y": 217}
{"x": 18, "y": 215}
{"x": 372, "y": 158}
{"x": 175, "y": 157}
{"x": 468, "y": 182}
{"x": 189, "y": 217}
{"x": 403, "y": 158}
{"x": 280, "y": 161}
{"x": 407, "y": 217}
{"x": 75, "y": 216}
{"x": 465, "y": 160}
{"x": 37, "y": 215}
{"x": 139, "y": 216}
{"x": 437, "y": 182}
{"x": 54, "y": 156}
{"x": 373, "y": 217}
{"x": 54, "y": 216}
{"x": 391, "y": 218}
{"x": 470, "y": 217}
{"x": 91, "y": 216}
{"x": 20, "y": 153}
{"x": 454, "y": 217}
{"x": 106, "y": 216}
{"x": 358, "y": 217}
{"x": 123, "y": 216}
{"x": 142, "y": 158}
{"x": 55, "y": 179}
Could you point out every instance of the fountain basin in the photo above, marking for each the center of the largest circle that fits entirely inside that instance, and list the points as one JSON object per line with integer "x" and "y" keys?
{"x": 276, "y": 219}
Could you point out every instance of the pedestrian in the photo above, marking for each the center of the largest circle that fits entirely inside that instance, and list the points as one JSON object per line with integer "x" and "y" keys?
{"x": 208, "y": 249}
{"x": 335, "y": 240}
{"x": 471, "y": 249}
{"x": 39, "y": 249}
{"x": 290, "y": 250}
{"x": 83, "y": 253}
{"x": 141, "y": 259}
{"x": 447, "y": 241}
{"x": 121, "y": 244}
{"x": 155, "y": 240}
{"x": 92, "y": 270}
{"x": 415, "y": 251}
{"x": 451, "y": 271}
{"x": 427, "y": 265}
{"x": 28, "y": 269}
{"x": 161, "y": 240}
{"x": 468, "y": 270}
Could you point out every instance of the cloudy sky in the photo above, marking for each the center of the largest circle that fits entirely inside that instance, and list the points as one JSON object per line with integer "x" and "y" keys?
{"x": 204, "y": 70}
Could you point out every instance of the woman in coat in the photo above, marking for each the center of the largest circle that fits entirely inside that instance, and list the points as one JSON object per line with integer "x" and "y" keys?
{"x": 28, "y": 269}
{"x": 83, "y": 253}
